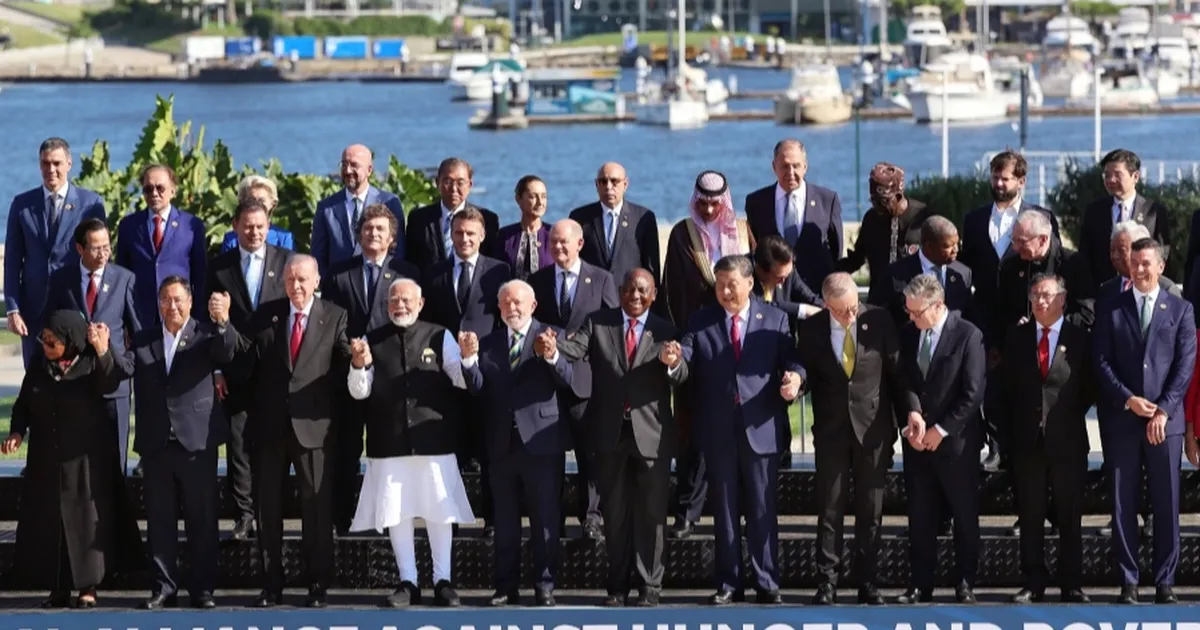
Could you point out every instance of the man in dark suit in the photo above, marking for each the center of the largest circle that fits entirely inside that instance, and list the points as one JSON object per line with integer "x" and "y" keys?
{"x": 301, "y": 353}
{"x": 618, "y": 235}
{"x": 1048, "y": 386}
{"x": 335, "y": 222}
{"x": 809, "y": 217}
{"x": 1145, "y": 349}
{"x": 252, "y": 275}
{"x": 1120, "y": 254}
{"x": 41, "y": 223}
{"x": 1122, "y": 172}
{"x": 180, "y": 427}
{"x": 360, "y": 286}
{"x": 939, "y": 249}
{"x": 526, "y": 438}
{"x": 159, "y": 242}
{"x": 945, "y": 356}
{"x": 777, "y": 283}
{"x": 104, "y": 293}
{"x": 429, "y": 239}
{"x": 742, "y": 361}
{"x": 566, "y": 293}
{"x": 859, "y": 389}
{"x": 632, "y": 431}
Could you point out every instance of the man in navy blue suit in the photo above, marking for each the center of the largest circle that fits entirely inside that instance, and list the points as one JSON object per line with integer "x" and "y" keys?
{"x": 1145, "y": 348}
{"x": 159, "y": 242}
{"x": 104, "y": 293}
{"x": 41, "y": 223}
{"x": 741, "y": 358}
{"x": 526, "y": 434}
{"x": 180, "y": 425}
{"x": 335, "y": 224}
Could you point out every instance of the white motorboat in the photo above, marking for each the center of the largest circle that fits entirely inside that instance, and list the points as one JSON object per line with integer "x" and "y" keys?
{"x": 1121, "y": 87}
{"x": 1006, "y": 74}
{"x": 925, "y": 36}
{"x": 478, "y": 85}
{"x": 964, "y": 83}
{"x": 463, "y": 65}
{"x": 815, "y": 96}
{"x": 1068, "y": 31}
{"x": 1066, "y": 73}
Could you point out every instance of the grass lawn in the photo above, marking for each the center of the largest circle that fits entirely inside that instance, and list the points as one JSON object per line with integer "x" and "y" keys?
{"x": 794, "y": 416}
{"x": 8, "y": 338}
{"x": 66, "y": 14}
{"x": 26, "y": 37}
{"x": 172, "y": 43}
{"x": 648, "y": 37}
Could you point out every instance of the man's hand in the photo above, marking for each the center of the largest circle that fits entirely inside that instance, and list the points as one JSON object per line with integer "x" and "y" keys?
{"x": 1192, "y": 450}
{"x": 808, "y": 310}
{"x": 915, "y": 431}
{"x": 1156, "y": 429}
{"x": 218, "y": 307}
{"x": 549, "y": 343}
{"x": 220, "y": 386}
{"x": 1141, "y": 407}
{"x": 98, "y": 337}
{"x": 11, "y": 443}
{"x": 790, "y": 388}
{"x": 360, "y": 353}
{"x": 16, "y": 323}
{"x": 670, "y": 354}
{"x": 933, "y": 439}
{"x": 468, "y": 343}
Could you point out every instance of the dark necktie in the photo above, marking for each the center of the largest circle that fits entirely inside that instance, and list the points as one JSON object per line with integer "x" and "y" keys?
{"x": 297, "y": 337}
{"x": 464, "y": 285}
{"x": 372, "y": 280}
{"x": 564, "y": 299}
{"x": 158, "y": 233}
{"x": 1044, "y": 352}
{"x": 631, "y": 341}
{"x": 91, "y": 294}
{"x": 735, "y": 337}
{"x": 55, "y": 215}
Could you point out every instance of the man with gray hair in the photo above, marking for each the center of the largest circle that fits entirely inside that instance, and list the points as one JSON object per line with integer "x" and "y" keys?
{"x": 937, "y": 256}
{"x": 1120, "y": 253}
{"x": 944, "y": 354}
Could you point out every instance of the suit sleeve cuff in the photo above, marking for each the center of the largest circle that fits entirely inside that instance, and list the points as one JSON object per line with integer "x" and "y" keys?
{"x": 941, "y": 430}
{"x": 469, "y": 362}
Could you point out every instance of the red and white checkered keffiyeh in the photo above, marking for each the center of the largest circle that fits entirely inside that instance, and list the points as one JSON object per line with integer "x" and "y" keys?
{"x": 713, "y": 185}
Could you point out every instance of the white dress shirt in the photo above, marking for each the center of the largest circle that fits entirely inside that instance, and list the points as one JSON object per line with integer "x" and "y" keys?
{"x": 837, "y": 335}
{"x": 936, "y": 336}
{"x": 303, "y": 320}
{"x": 60, "y": 196}
{"x": 637, "y": 331}
{"x": 1126, "y": 204}
{"x": 97, "y": 278}
{"x": 474, "y": 260}
{"x": 610, "y": 221}
{"x": 1000, "y": 226}
{"x": 781, "y": 204}
{"x": 165, "y": 214}
{"x": 572, "y": 286}
{"x": 1137, "y": 299}
{"x": 171, "y": 344}
{"x": 361, "y": 379}
{"x": 378, "y": 262}
{"x": 927, "y": 267}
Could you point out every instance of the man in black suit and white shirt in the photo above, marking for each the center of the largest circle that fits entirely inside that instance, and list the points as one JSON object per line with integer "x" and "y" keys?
{"x": 428, "y": 237}
{"x": 588, "y": 288}
{"x": 937, "y": 256}
{"x": 252, "y": 274}
{"x": 618, "y": 235}
{"x": 1122, "y": 172}
{"x": 809, "y": 217}
{"x": 778, "y": 284}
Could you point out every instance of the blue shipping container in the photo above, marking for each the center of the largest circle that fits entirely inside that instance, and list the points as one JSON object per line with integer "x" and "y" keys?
{"x": 346, "y": 47}
{"x": 387, "y": 48}
{"x": 242, "y": 46}
{"x": 305, "y": 46}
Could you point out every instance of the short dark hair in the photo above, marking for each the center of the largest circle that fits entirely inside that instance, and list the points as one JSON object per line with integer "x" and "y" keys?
{"x": 1130, "y": 159}
{"x": 250, "y": 205}
{"x": 50, "y": 144}
{"x": 468, "y": 213}
{"x": 1039, "y": 278}
{"x": 524, "y": 182}
{"x": 86, "y": 227}
{"x": 453, "y": 162}
{"x": 158, "y": 167}
{"x": 735, "y": 262}
{"x": 773, "y": 251}
{"x": 170, "y": 280}
{"x": 1142, "y": 244}
{"x": 378, "y": 211}
{"x": 1007, "y": 158}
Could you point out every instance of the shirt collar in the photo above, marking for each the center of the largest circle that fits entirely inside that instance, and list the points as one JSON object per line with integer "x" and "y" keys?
{"x": 97, "y": 274}
{"x": 350, "y": 197}
{"x": 782, "y": 195}
{"x": 1056, "y": 327}
{"x": 448, "y": 212}
{"x": 834, "y": 324}
{"x": 164, "y": 214}
{"x": 1138, "y": 295}
{"x": 1128, "y": 203}
{"x": 61, "y": 193}
{"x": 941, "y": 323}
{"x": 524, "y": 330}
{"x": 260, "y": 253}
{"x": 378, "y": 262}
{"x": 927, "y": 265}
{"x": 1015, "y": 208}
{"x": 641, "y": 319}
{"x": 574, "y": 268}
{"x": 744, "y": 314}
{"x": 306, "y": 310}
{"x": 167, "y": 334}
{"x": 474, "y": 260}
{"x": 614, "y": 210}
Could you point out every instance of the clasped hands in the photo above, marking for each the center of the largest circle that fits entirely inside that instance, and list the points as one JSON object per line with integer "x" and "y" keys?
{"x": 1156, "y": 427}
{"x": 545, "y": 345}
{"x": 671, "y": 354}
{"x": 360, "y": 353}
{"x": 218, "y": 307}
{"x": 920, "y": 437}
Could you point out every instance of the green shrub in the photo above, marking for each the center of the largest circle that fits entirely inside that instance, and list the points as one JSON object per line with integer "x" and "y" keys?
{"x": 952, "y": 197}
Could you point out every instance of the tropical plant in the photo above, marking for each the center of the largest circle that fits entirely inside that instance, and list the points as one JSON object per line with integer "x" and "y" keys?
{"x": 207, "y": 179}
{"x": 952, "y": 197}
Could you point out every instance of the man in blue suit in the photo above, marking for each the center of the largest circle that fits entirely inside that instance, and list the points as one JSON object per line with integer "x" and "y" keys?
{"x": 1145, "y": 347}
{"x": 741, "y": 358}
{"x": 104, "y": 293}
{"x": 520, "y": 379}
{"x": 159, "y": 242}
{"x": 335, "y": 224}
{"x": 180, "y": 425}
{"x": 41, "y": 223}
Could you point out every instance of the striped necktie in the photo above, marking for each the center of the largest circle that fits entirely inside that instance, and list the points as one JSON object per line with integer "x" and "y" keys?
{"x": 514, "y": 350}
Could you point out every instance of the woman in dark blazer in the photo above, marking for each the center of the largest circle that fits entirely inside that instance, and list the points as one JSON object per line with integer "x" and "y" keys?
{"x": 530, "y": 232}
{"x": 76, "y": 525}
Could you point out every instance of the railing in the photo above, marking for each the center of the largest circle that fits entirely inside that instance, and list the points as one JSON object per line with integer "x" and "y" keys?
{"x": 1048, "y": 168}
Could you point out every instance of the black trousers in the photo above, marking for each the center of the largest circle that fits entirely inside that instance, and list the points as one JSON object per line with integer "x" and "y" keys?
{"x": 516, "y": 475}
{"x": 240, "y": 471}
{"x": 956, "y": 474}
{"x": 691, "y": 485}
{"x": 633, "y": 497}
{"x": 587, "y": 502}
{"x": 314, "y": 475}
{"x": 473, "y": 446}
{"x": 1038, "y": 472}
{"x": 348, "y": 463}
{"x": 840, "y": 461}
{"x": 174, "y": 475}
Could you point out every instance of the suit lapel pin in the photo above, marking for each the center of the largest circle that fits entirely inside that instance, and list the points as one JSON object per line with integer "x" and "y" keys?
{"x": 758, "y": 316}
{"x": 274, "y": 319}
{"x": 69, "y": 207}
{"x": 387, "y": 276}
{"x": 1020, "y": 274}
{"x": 104, "y": 288}
{"x": 1062, "y": 348}
{"x": 624, "y": 223}
{"x": 1162, "y": 306}
{"x": 864, "y": 326}
{"x": 183, "y": 342}
{"x": 812, "y": 202}
{"x": 587, "y": 280}
{"x": 953, "y": 278}
{"x": 270, "y": 274}
{"x": 174, "y": 224}
{"x": 1140, "y": 217}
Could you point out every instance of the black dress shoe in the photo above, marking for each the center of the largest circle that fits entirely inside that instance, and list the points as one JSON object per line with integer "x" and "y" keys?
{"x": 487, "y": 532}
{"x": 445, "y": 596}
{"x": 946, "y": 528}
{"x": 1165, "y": 595}
{"x": 869, "y": 595}
{"x": 1015, "y": 530}
{"x": 682, "y": 530}
{"x": 594, "y": 530}
{"x": 1029, "y": 596}
{"x": 768, "y": 597}
{"x": 826, "y": 595}
{"x": 648, "y": 598}
{"x": 1075, "y": 596}
{"x": 316, "y": 598}
{"x": 1129, "y": 594}
{"x": 159, "y": 601}
{"x": 723, "y": 597}
{"x": 268, "y": 598}
{"x": 203, "y": 601}
{"x": 992, "y": 462}
{"x": 244, "y": 529}
{"x": 1148, "y": 526}
{"x": 915, "y": 596}
{"x": 86, "y": 600}
{"x": 543, "y": 596}
{"x": 57, "y": 599}
{"x": 503, "y": 598}
{"x": 407, "y": 595}
{"x": 613, "y": 600}
{"x": 964, "y": 595}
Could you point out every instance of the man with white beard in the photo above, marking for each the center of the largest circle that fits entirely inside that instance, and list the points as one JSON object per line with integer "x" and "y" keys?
{"x": 414, "y": 418}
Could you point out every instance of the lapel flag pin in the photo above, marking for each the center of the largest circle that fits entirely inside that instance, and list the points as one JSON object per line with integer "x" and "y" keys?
{"x": 270, "y": 274}
{"x": 174, "y": 224}
{"x": 758, "y": 316}
{"x": 387, "y": 276}
{"x": 587, "y": 280}
{"x": 864, "y": 326}
{"x": 70, "y": 206}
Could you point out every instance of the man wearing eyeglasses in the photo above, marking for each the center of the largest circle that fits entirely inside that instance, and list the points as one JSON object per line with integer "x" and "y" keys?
{"x": 161, "y": 241}
{"x": 618, "y": 235}
{"x": 335, "y": 224}
{"x": 103, "y": 292}
{"x": 428, "y": 240}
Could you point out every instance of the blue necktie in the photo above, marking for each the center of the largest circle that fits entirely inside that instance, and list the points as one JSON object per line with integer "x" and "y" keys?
{"x": 253, "y": 275}
{"x": 372, "y": 280}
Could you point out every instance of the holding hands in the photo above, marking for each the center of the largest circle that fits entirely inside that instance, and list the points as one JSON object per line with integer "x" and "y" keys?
{"x": 218, "y": 307}
{"x": 468, "y": 343}
{"x": 360, "y": 353}
{"x": 915, "y": 431}
{"x": 670, "y": 354}
{"x": 545, "y": 345}
{"x": 790, "y": 388}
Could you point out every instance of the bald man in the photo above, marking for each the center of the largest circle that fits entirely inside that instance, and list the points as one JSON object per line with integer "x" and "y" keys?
{"x": 335, "y": 224}
{"x": 618, "y": 235}
{"x": 567, "y": 292}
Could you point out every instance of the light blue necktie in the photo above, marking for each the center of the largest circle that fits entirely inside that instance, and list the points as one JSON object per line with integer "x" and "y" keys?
{"x": 447, "y": 242}
{"x": 253, "y": 273}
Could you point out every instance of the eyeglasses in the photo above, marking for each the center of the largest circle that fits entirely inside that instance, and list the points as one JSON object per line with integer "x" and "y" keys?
{"x": 1049, "y": 295}
{"x": 96, "y": 251}
{"x": 846, "y": 313}
{"x": 154, "y": 188}
{"x": 920, "y": 312}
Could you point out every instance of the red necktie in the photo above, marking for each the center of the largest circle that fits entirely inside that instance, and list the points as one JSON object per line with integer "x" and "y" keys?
{"x": 297, "y": 336}
{"x": 91, "y": 294}
{"x": 631, "y": 341}
{"x": 735, "y": 337}
{"x": 1125, "y": 285}
{"x": 158, "y": 233}
{"x": 1044, "y": 352}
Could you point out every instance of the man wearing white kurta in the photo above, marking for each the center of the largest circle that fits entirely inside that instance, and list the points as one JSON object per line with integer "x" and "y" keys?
{"x": 413, "y": 422}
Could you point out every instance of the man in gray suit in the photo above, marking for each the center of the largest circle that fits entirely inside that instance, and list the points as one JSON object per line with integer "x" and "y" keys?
{"x": 632, "y": 432}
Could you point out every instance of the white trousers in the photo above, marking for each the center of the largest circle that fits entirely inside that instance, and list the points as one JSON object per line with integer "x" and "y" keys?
{"x": 441, "y": 539}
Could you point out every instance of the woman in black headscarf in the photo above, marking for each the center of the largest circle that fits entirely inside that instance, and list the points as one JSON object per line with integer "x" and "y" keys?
{"x": 75, "y": 523}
